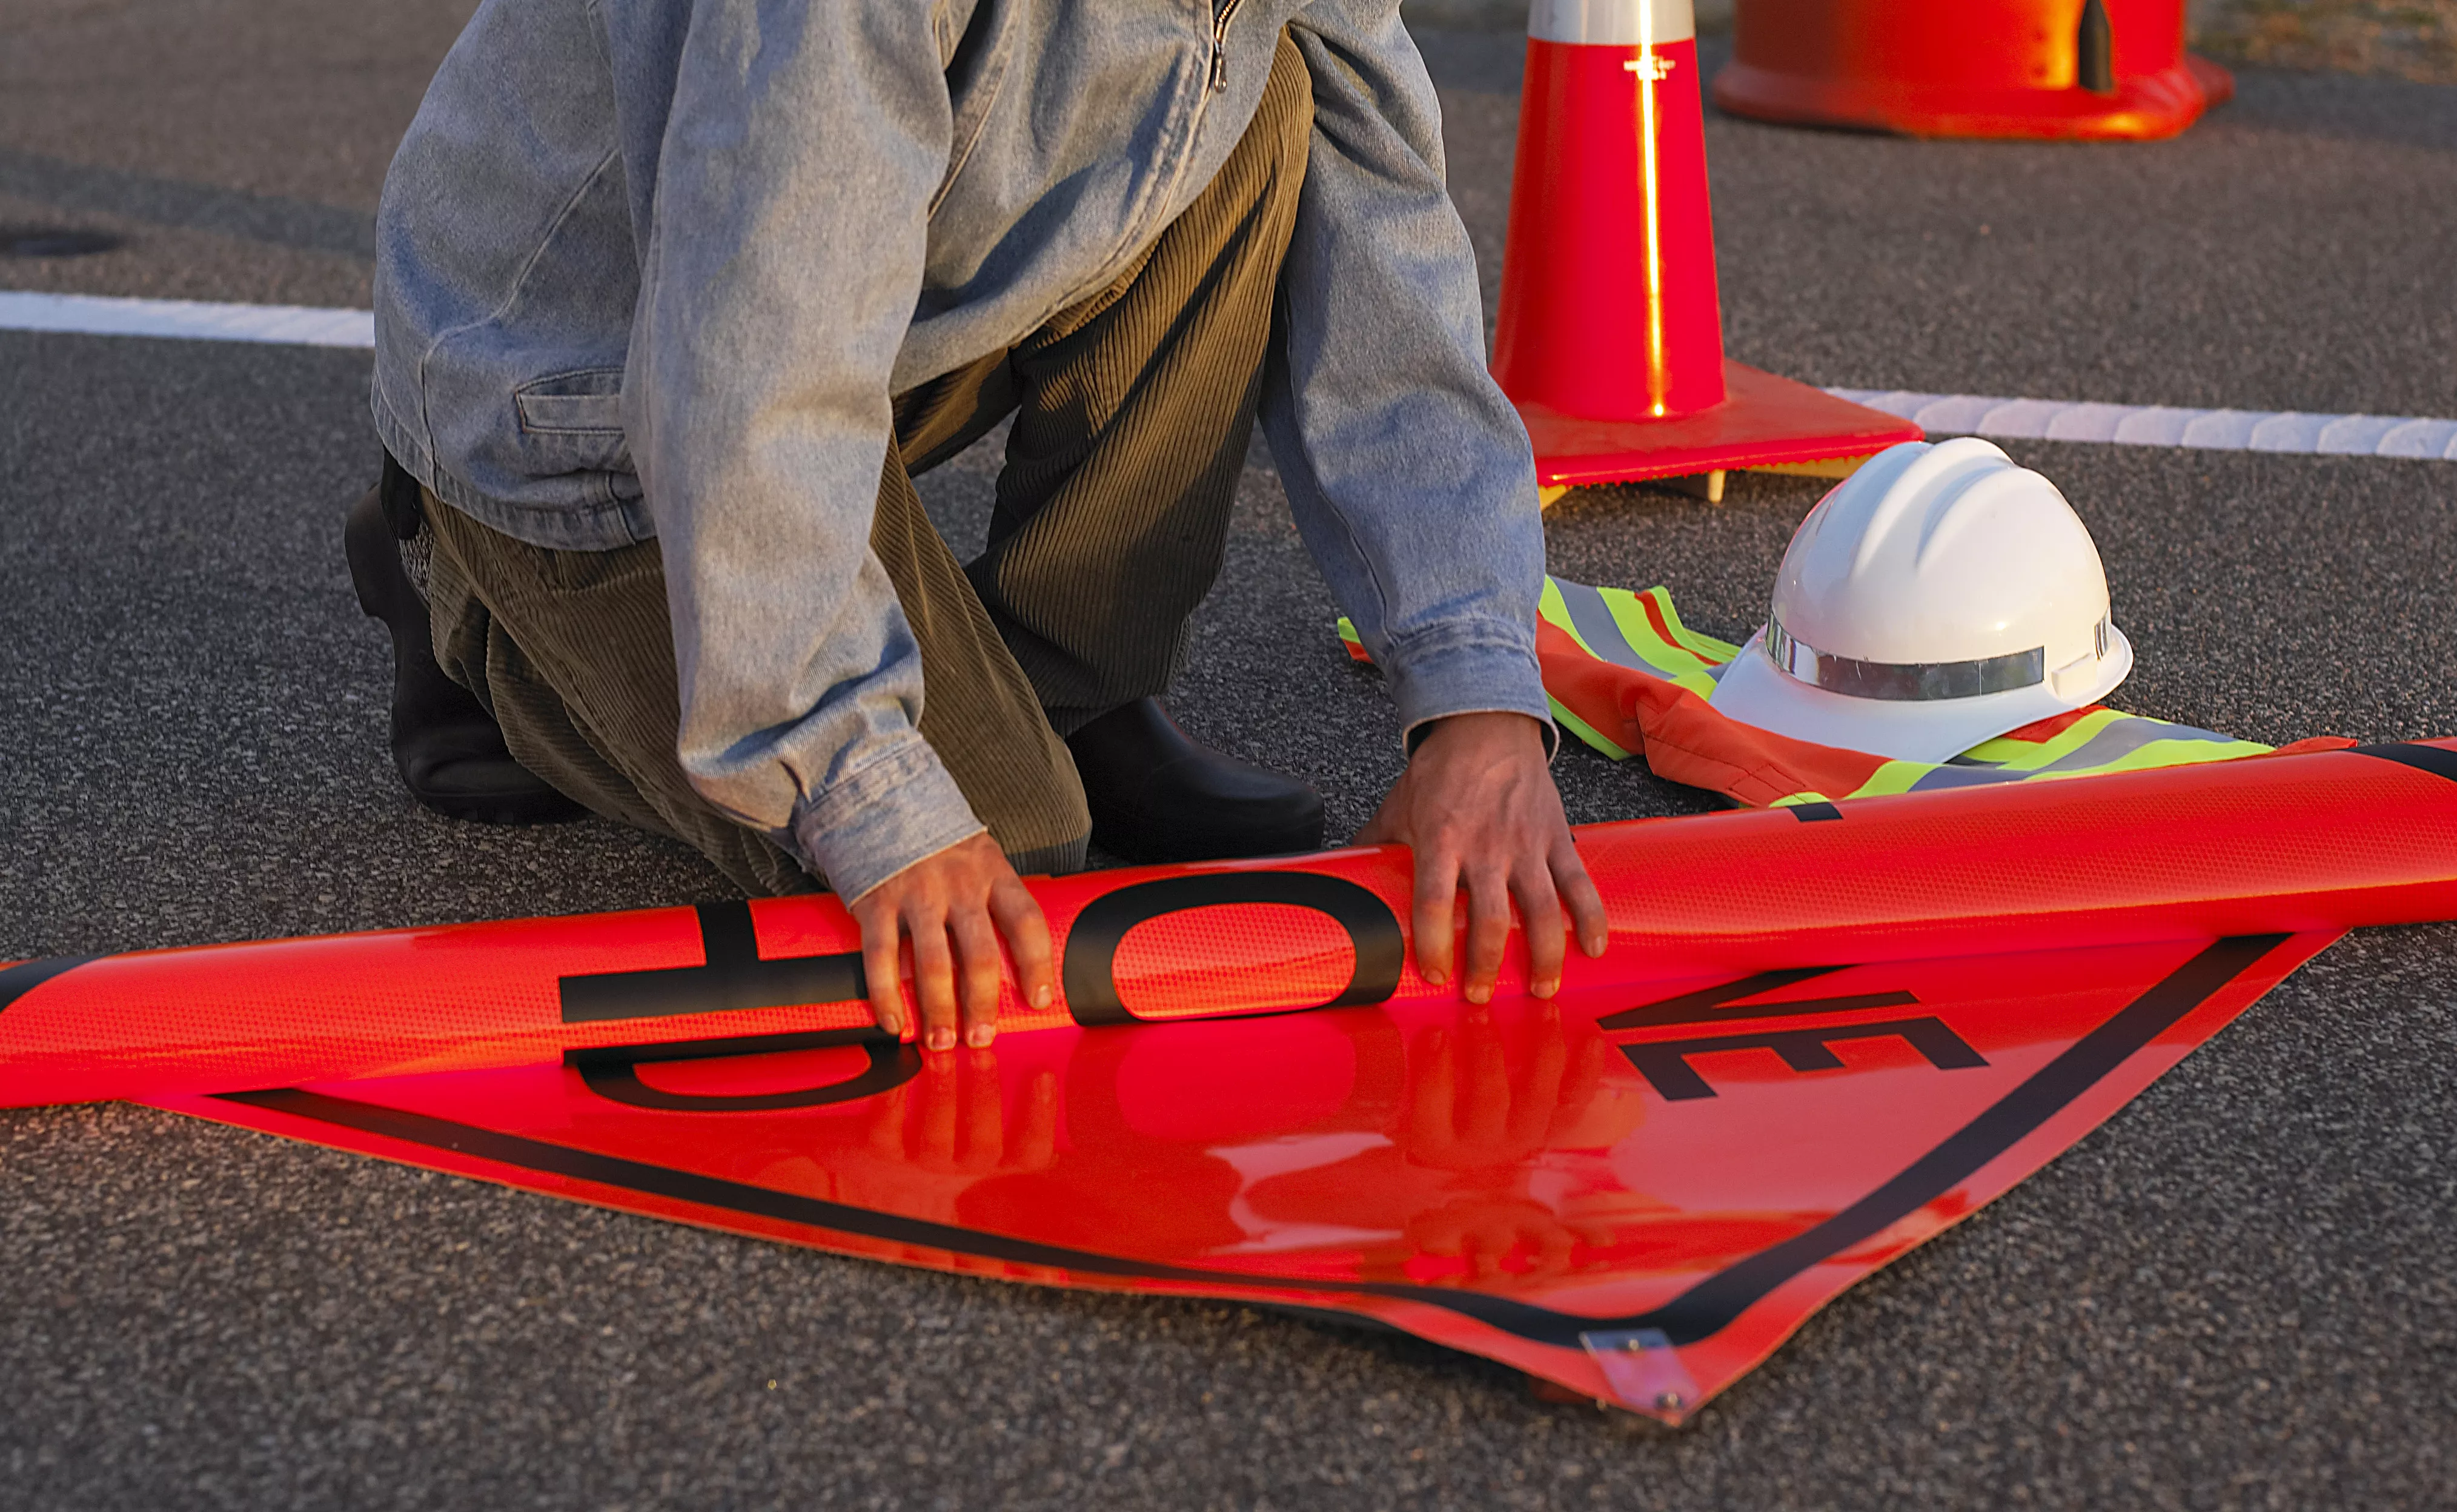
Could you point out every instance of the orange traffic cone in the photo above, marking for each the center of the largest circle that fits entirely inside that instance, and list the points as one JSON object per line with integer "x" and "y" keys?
{"x": 2080, "y": 69}
{"x": 1610, "y": 339}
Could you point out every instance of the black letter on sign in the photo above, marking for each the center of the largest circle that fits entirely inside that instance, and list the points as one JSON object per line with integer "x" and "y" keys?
{"x": 609, "y": 1074}
{"x": 1666, "y": 1066}
{"x": 733, "y": 978}
{"x": 1722, "y": 1004}
{"x": 1090, "y": 971}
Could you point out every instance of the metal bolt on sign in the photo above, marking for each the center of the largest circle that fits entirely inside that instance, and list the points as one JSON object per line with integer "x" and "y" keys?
{"x": 1644, "y": 1372}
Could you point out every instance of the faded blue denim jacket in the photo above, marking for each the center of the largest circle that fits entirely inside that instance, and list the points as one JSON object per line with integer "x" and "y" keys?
{"x": 655, "y": 267}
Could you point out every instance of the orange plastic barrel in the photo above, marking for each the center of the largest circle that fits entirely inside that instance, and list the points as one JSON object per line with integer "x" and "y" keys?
{"x": 2080, "y": 69}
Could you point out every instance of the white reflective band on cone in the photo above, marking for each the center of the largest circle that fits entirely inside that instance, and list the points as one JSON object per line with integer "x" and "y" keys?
{"x": 1612, "y": 23}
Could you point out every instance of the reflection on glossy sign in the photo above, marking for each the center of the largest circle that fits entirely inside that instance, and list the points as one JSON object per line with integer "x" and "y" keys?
{"x": 1638, "y": 1199}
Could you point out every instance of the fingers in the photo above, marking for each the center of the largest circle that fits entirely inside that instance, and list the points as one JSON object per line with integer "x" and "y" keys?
{"x": 934, "y": 976}
{"x": 977, "y": 945}
{"x": 1433, "y": 917}
{"x": 1026, "y": 931}
{"x": 1540, "y": 907}
{"x": 882, "y": 931}
{"x": 1577, "y": 893}
{"x": 1488, "y": 930}
{"x": 954, "y": 907}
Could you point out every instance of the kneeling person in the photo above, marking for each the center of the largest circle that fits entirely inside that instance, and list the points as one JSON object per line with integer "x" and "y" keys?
{"x": 675, "y": 298}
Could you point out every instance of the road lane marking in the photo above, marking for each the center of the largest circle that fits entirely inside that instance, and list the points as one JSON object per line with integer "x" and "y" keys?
{"x": 2287, "y": 431}
{"x": 190, "y": 320}
{"x": 2292, "y": 431}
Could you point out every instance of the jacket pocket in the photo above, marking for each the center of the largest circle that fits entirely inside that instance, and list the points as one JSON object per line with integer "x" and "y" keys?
{"x": 573, "y": 421}
{"x": 587, "y": 403}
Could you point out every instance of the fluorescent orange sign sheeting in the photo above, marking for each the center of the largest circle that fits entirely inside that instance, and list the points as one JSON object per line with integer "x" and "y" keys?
{"x": 1636, "y": 1193}
{"x": 2282, "y": 843}
{"x": 1820, "y": 1034}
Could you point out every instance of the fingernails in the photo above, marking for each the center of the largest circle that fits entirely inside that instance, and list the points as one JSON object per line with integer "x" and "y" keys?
{"x": 942, "y": 1038}
{"x": 1040, "y": 996}
{"x": 1436, "y": 976}
{"x": 1478, "y": 992}
{"x": 1595, "y": 944}
{"x": 980, "y": 1035}
{"x": 1546, "y": 989}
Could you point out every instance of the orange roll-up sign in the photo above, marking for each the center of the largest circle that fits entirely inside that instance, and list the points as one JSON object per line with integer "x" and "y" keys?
{"x": 2288, "y": 843}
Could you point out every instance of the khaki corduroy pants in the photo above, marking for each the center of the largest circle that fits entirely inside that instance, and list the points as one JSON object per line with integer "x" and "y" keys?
{"x": 1133, "y": 410}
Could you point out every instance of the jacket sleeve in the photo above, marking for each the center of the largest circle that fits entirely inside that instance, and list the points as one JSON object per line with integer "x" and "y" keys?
{"x": 1406, "y": 469}
{"x": 783, "y": 255}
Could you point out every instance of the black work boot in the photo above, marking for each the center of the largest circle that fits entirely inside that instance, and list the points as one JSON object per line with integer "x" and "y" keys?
{"x": 450, "y": 751}
{"x": 1158, "y": 796}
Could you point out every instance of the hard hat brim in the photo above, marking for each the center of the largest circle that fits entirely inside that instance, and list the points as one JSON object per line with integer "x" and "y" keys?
{"x": 1755, "y": 691}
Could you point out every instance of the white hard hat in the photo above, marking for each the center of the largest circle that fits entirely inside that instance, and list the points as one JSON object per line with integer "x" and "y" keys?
{"x": 1937, "y": 598}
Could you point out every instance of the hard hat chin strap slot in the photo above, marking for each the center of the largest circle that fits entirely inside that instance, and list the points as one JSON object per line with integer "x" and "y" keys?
{"x": 1903, "y": 681}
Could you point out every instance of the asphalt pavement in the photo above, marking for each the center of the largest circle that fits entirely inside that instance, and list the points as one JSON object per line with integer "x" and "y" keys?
{"x": 2237, "y": 1293}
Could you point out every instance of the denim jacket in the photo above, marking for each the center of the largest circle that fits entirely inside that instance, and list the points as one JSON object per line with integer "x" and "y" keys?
{"x": 655, "y": 267}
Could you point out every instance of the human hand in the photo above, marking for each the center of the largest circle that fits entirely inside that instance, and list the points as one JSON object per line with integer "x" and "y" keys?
{"x": 955, "y": 906}
{"x": 1478, "y": 808}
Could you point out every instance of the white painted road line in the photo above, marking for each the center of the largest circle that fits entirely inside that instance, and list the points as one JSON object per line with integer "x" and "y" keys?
{"x": 86, "y": 315}
{"x": 1938, "y": 414}
{"x": 2159, "y": 426}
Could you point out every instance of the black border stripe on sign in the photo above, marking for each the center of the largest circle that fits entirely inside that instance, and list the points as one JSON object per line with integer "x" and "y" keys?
{"x": 1722, "y": 1296}
{"x": 16, "y": 981}
{"x": 2438, "y": 761}
{"x": 1697, "y": 1314}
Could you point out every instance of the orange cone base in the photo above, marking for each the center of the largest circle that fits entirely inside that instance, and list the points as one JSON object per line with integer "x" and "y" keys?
{"x": 2144, "y": 106}
{"x": 1763, "y": 421}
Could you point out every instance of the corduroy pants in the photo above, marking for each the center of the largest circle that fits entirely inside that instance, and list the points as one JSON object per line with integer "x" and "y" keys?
{"x": 1132, "y": 412}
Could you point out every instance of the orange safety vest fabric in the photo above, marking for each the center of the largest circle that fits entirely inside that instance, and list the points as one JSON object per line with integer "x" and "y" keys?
{"x": 1627, "y": 677}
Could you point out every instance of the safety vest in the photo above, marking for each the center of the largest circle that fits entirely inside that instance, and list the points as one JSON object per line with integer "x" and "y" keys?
{"x": 1626, "y": 676}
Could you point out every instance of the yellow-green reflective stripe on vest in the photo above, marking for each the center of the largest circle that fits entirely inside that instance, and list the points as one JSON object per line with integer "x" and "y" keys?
{"x": 1612, "y": 624}
{"x": 1643, "y": 632}
{"x": 2102, "y": 740}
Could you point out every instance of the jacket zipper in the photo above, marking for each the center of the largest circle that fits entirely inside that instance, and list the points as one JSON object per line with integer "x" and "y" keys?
{"x": 1220, "y": 19}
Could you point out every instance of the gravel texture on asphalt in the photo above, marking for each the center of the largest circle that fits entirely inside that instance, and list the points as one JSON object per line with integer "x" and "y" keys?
{"x": 2235, "y": 1294}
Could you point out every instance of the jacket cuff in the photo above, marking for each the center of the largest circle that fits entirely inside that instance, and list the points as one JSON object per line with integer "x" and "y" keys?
{"x": 871, "y": 825}
{"x": 1476, "y": 669}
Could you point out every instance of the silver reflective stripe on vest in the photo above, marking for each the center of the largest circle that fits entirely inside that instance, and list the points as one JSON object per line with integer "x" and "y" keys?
{"x": 1903, "y": 681}
{"x": 1612, "y": 23}
{"x": 1592, "y": 619}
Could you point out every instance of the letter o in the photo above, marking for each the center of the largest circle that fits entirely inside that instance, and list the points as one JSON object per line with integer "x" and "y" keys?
{"x": 1090, "y": 968}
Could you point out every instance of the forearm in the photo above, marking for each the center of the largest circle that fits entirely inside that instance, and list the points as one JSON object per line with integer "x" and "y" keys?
{"x": 1407, "y": 471}
{"x": 784, "y": 256}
